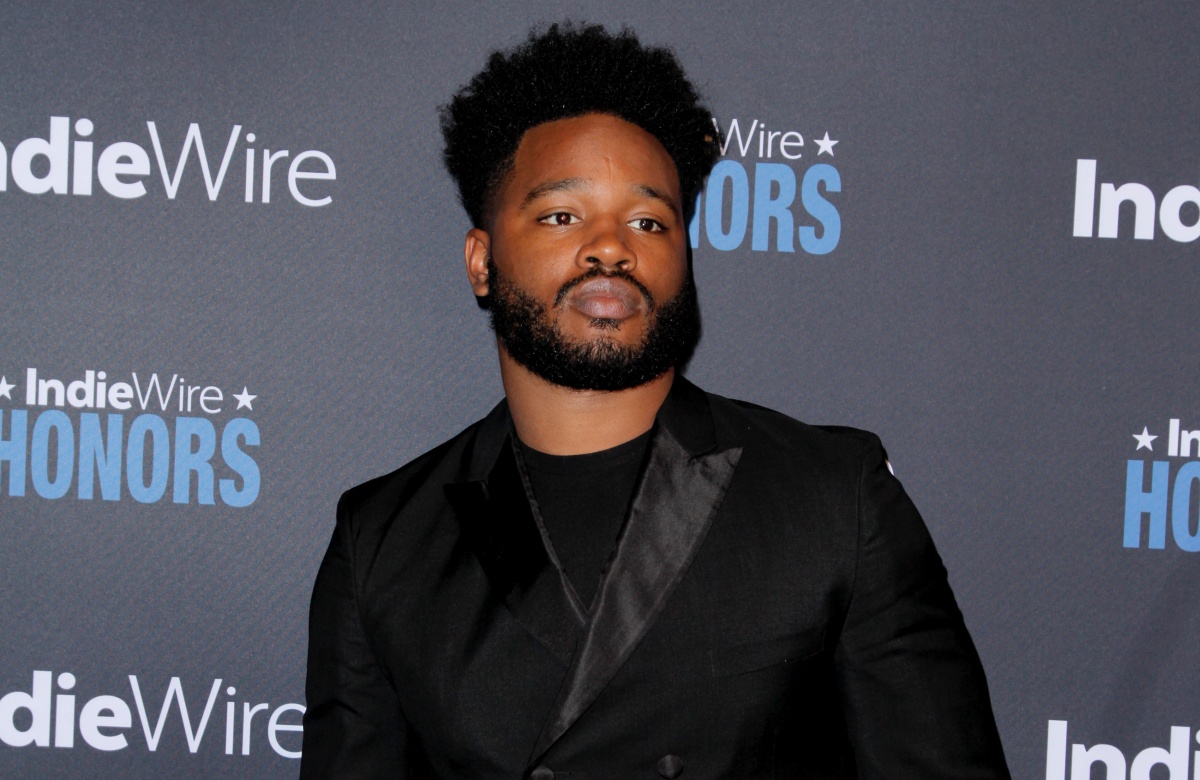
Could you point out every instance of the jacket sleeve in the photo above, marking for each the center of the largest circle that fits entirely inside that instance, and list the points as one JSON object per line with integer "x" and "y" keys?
{"x": 353, "y": 725}
{"x": 913, "y": 690}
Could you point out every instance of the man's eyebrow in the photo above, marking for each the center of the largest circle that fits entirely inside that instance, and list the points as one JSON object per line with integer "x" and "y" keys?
{"x": 552, "y": 186}
{"x": 576, "y": 183}
{"x": 650, "y": 192}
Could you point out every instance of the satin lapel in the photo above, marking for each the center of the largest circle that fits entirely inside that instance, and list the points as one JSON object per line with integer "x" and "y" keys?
{"x": 676, "y": 500}
{"x": 501, "y": 529}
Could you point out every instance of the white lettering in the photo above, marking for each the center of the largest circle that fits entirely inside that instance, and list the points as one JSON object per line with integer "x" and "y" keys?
{"x": 57, "y": 164}
{"x": 249, "y": 174}
{"x": 82, "y": 393}
{"x": 1186, "y": 440}
{"x": 174, "y": 689}
{"x": 1175, "y": 759}
{"x": 248, "y": 715}
{"x": 81, "y": 175}
{"x": 156, "y": 386}
{"x": 44, "y": 388}
{"x": 1056, "y": 750}
{"x": 26, "y": 718}
{"x": 273, "y": 726}
{"x": 54, "y": 150}
{"x": 211, "y": 395}
{"x": 64, "y": 713}
{"x": 193, "y": 138}
{"x": 119, "y": 394}
{"x": 1142, "y": 199}
{"x": 37, "y": 703}
{"x": 230, "y": 709}
{"x": 1085, "y": 197}
{"x": 108, "y": 712}
{"x": 1084, "y": 758}
{"x": 123, "y": 159}
{"x": 1169, "y": 210}
{"x": 734, "y": 129}
{"x": 269, "y": 160}
{"x": 294, "y": 173}
{"x": 789, "y": 141}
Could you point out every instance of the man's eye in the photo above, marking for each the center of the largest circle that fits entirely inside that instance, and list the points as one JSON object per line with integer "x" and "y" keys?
{"x": 559, "y": 218}
{"x": 648, "y": 225}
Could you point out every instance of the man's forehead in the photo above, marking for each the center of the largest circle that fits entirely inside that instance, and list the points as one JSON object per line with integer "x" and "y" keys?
{"x": 592, "y": 130}
{"x": 565, "y": 149}
{"x": 581, "y": 184}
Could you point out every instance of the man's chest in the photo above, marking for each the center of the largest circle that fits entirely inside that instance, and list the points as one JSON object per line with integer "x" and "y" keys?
{"x": 742, "y": 646}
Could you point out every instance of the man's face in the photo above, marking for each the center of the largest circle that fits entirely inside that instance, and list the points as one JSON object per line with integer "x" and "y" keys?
{"x": 585, "y": 265}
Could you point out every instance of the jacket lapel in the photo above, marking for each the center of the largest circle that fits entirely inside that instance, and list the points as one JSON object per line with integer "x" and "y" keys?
{"x": 676, "y": 499}
{"x": 506, "y": 537}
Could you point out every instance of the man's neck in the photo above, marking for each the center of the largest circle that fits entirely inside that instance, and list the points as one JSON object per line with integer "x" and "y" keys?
{"x": 560, "y": 421}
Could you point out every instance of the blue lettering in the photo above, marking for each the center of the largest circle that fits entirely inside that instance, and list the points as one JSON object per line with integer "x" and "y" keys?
{"x": 12, "y": 450}
{"x": 188, "y": 460}
{"x": 160, "y": 464}
{"x": 767, "y": 208}
{"x": 739, "y": 212}
{"x": 694, "y": 224}
{"x": 39, "y": 454}
{"x": 49, "y": 455}
{"x": 820, "y": 209}
{"x": 1181, "y": 514}
{"x": 240, "y": 462}
{"x": 98, "y": 456}
{"x": 1138, "y": 502}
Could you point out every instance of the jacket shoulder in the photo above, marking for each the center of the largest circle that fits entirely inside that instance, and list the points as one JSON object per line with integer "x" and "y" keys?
{"x": 742, "y": 423}
{"x": 419, "y": 481}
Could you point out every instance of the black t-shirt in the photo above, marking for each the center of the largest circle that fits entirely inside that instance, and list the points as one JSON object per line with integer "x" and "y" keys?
{"x": 583, "y": 500}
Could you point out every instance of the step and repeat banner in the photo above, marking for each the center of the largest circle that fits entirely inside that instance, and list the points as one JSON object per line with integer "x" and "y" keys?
{"x": 233, "y": 287}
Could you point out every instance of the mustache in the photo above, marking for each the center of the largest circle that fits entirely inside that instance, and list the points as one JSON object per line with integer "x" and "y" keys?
{"x": 597, "y": 272}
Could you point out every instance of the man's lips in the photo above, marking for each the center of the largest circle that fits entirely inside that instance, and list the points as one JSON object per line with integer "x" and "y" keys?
{"x": 605, "y": 298}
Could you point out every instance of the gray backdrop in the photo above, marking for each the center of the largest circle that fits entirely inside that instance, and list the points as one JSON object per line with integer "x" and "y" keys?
{"x": 937, "y": 292}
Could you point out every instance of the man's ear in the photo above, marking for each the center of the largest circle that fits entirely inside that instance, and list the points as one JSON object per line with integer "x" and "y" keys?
{"x": 476, "y": 250}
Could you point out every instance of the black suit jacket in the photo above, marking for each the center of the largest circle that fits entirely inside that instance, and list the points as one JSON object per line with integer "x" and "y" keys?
{"x": 774, "y": 608}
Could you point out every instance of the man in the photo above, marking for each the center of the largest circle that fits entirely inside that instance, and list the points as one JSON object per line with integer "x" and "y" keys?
{"x": 615, "y": 574}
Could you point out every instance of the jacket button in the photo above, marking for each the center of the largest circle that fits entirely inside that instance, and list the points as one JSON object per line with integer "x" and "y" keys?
{"x": 542, "y": 772}
{"x": 670, "y": 766}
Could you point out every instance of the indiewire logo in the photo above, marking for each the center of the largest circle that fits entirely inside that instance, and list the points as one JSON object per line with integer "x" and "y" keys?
{"x": 1082, "y": 758}
{"x": 1164, "y": 491}
{"x": 58, "y": 165}
{"x": 766, "y": 198}
{"x": 68, "y": 437}
{"x": 102, "y": 720}
{"x": 1170, "y": 211}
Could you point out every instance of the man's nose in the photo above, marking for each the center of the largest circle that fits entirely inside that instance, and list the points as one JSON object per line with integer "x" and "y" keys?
{"x": 607, "y": 248}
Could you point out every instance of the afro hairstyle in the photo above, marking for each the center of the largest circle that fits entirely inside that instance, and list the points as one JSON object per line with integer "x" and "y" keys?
{"x": 567, "y": 71}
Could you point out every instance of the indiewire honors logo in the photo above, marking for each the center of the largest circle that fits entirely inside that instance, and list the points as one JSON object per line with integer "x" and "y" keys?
{"x": 767, "y": 198}
{"x": 159, "y": 433}
{"x": 1170, "y": 211}
{"x": 102, "y": 720}
{"x": 1164, "y": 491}
{"x": 1174, "y": 759}
{"x": 119, "y": 168}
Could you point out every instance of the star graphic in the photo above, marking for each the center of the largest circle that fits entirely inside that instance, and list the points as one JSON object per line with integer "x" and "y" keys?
{"x": 244, "y": 398}
{"x": 6, "y": 388}
{"x": 825, "y": 145}
{"x": 1144, "y": 438}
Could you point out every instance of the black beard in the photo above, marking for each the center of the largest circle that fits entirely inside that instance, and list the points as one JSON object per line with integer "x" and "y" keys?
{"x": 534, "y": 340}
